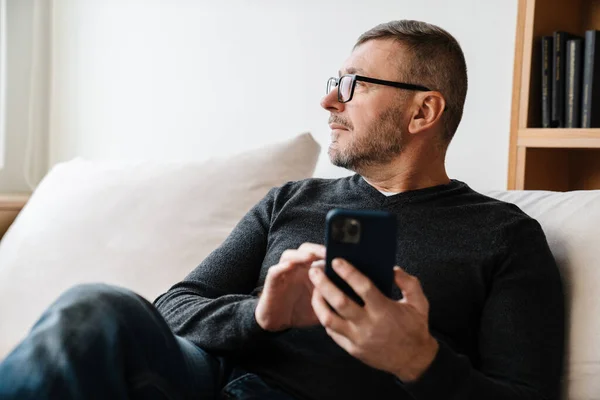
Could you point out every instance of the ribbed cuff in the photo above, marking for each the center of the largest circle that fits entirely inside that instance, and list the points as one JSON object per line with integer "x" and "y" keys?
{"x": 443, "y": 379}
{"x": 255, "y": 331}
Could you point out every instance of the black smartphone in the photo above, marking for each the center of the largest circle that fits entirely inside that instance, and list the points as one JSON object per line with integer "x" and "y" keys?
{"x": 367, "y": 240}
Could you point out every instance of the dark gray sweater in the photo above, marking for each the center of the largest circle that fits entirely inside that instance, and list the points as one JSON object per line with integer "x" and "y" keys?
{"x": 494, "y": 289}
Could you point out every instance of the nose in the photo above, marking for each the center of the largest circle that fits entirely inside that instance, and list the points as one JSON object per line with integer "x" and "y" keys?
{"x": 330, "y": 102}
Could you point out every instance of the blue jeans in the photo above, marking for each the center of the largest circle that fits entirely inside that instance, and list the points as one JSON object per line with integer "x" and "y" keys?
{"x": 103, "y": 342}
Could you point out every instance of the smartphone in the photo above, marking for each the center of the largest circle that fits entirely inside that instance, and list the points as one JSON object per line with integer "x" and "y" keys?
{"x": 367, "y": 240}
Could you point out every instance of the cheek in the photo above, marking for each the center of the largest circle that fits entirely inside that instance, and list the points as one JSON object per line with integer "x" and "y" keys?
{"x": 354, "y": 114}
{"x": 363, "y": 117}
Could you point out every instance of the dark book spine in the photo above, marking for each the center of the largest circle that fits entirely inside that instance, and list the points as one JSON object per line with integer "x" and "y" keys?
{"x": 558, "y": 86}
{"x": 591, "y": 85}
{"x": 547, "y": 81}
{"x": 573, "y": 83}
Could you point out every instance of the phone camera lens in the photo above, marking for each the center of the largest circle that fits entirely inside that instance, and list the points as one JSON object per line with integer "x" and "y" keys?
{"x": 337, "y": 230}
{"x": 352, "y": 228}
{"x": 345, "y": 230}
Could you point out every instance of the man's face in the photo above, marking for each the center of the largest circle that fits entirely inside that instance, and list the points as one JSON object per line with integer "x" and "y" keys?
{"x": 368, "y": 130}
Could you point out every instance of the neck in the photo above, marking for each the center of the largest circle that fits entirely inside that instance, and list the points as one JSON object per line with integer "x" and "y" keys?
{"x": 407, "y": 172}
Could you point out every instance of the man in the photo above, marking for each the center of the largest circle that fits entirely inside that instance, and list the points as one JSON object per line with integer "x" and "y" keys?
{"x": 481, "y": 309}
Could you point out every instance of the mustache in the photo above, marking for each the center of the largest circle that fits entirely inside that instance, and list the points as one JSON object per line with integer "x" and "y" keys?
{"x": 336, "y": 119}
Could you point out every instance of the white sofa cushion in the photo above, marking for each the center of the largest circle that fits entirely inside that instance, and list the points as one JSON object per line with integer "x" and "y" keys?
{"x": 143, "y": 226}
{"x": 571, "y": 222}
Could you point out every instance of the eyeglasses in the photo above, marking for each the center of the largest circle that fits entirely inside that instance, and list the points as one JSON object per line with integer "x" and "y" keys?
{"x": 347, "y": 83}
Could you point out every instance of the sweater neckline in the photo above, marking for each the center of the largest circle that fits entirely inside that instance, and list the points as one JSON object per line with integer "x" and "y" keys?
{"x": 408, "y": 196}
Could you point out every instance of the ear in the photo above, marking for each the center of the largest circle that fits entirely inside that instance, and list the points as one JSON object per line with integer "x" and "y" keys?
{"x": 428, "y": 110}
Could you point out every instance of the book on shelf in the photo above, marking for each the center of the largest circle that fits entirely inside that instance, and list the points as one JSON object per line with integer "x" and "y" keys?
{"x": 573, "y": 83}
{"x": 590, "y": 101}
{"x": 547, "y": 80}
{"x": 559, "y": 73}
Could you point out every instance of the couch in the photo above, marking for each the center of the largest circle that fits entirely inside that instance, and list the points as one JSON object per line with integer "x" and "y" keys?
{"x": 145, "y": 225}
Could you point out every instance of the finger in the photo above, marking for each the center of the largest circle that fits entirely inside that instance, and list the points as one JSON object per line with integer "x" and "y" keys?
{"x": 362, "y": 285}
{"x": 326, "y": 316}
{"x": 306, "y": 254}
{"x": 344, "y": 305}
{"x": 320, "y": 265}
{"x": 277, "y": 272}
{"x": 412, "y": 290}
{"x": 317, "y": 249}
{"x": 297, "y": 257}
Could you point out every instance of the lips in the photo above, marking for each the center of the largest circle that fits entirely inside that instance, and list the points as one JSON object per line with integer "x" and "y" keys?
{"x": 338, "y": 126}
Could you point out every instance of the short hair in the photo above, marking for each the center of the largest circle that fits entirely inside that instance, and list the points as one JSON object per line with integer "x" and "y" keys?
{"x": 436, "y": 61}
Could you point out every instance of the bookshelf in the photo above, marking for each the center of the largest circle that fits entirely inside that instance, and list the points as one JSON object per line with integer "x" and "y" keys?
{"x": 558, "y": 159}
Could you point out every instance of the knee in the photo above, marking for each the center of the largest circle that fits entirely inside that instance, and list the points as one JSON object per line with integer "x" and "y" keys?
{"x": 94, "y": 292}
{"x": 95, "y": 300}
{"x": 89, "y": 316}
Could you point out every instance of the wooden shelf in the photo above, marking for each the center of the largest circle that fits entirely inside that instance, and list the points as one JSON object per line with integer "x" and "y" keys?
{"x": 10, "y": 206}
{"x": 548, "y": 159}
{"x": 13, "y": 201}
{"x": 577, "y": 138}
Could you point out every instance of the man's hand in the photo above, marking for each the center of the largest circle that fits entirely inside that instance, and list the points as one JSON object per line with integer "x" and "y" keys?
{"x": 389, "y": 335}
{"x": 285, "y": 300}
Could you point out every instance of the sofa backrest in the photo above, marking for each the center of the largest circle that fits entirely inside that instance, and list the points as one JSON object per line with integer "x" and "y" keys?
{"x": 140, "y": 225}
{"x": 571, "y": 222}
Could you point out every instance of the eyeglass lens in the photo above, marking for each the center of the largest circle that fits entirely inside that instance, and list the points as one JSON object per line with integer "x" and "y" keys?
{"x": 344, "y": 85}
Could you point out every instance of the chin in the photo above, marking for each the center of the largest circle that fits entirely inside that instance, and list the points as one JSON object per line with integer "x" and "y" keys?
{"x": 333, "y": 151}
{"x": 337, "y": 158}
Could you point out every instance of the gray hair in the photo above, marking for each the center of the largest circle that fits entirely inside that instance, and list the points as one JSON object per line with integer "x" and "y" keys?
{"x": 435, "y": 60}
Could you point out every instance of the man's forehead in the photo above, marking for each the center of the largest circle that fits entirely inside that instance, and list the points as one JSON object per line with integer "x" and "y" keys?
{"x": 374, "y": 58}
{"x": 352, "y": 70}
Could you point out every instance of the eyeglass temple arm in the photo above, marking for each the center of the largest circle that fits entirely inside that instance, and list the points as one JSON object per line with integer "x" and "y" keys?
{"x": 408, "y": 86}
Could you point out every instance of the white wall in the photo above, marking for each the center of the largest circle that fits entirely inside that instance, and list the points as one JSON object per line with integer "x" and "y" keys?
{"x": 186, "y": 80}
{"x": 27, "y": 79}
{"x": 18, "y": 40}
{"x": 3, "y": 31}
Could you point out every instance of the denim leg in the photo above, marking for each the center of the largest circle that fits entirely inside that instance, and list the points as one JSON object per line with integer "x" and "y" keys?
{"x": 102, "y": 342}
{"x": 248, "y": 386}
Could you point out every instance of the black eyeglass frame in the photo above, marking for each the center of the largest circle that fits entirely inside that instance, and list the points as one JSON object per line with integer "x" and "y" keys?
{"x": 355, "y": 78}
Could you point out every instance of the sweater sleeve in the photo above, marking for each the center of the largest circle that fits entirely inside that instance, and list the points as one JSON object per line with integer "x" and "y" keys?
{"x": 213, "y": 306}
{"x": 521, "y": 336}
